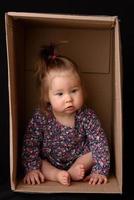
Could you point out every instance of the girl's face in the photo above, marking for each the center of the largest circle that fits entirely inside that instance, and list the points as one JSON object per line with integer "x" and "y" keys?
{"x": 65, "y": 92}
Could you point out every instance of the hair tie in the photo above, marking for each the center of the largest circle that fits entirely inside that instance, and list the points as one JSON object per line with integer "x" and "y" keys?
{"x": 48, "y": 52}
{"x": 54, "y": 57}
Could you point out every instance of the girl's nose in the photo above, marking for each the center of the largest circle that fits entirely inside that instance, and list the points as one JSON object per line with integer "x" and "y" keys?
{"x": 68, "y": 99}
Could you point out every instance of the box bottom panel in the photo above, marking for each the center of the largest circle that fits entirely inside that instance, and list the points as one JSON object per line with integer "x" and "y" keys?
{"x": 76, "y": 187}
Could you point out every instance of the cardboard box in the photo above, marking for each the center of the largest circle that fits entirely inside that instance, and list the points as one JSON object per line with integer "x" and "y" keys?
{"x": 94, "y": 43}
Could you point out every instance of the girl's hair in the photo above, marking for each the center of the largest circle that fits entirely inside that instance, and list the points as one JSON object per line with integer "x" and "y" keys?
{"x": 48, "y": 60}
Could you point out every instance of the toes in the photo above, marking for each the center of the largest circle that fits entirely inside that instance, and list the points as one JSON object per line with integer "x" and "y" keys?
{"x": 81, "y": 166}
{"x": 82, "y": 174}
{"x": 82, "y": 171}
{"x": 77, "y": 172}
{"x": 67, "y": 179}
{"x": 64, "y": 178}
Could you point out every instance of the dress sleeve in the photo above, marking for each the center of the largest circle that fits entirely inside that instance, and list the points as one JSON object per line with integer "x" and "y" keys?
{"x": 31, "y": 159}
{"x": 98, "y": 145}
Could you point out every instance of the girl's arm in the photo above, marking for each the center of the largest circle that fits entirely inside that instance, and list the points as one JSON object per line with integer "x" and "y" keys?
{"x": 98, "y": 145}
{"x": 32, "y": 145}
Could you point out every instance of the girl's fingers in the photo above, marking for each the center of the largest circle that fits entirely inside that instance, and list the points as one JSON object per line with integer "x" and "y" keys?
{"x": 91, "y": 180}
{"x": 97, "y": 179}
{"x": 32, "y": 179}
{"x": 105, "y": 180}
{"x": 37, "y": 180}
{"x": 28, "y": 180}
{"x": 25, "y": 180}
{"x": 42, "y": 178}
{"x": 100, "y": 181}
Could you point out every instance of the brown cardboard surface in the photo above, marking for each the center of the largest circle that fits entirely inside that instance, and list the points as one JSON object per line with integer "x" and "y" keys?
{"x": 12, "y": 100}
{"x": 76, "y": 187}
{"x": 65, "y": 20}
{"x": 93, "y": 42}
{"x": 118, "y": 140}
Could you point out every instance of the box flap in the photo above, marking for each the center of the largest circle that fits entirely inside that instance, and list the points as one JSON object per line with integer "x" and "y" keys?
{"x": 118, "y": 107}
{"x": 93, "y": 21}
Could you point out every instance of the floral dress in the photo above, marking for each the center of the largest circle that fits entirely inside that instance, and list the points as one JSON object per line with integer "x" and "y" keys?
{"x": 46, "y": 138}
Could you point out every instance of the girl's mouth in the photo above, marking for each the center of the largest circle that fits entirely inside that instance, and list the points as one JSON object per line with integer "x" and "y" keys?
{"x": 69, "y": 108}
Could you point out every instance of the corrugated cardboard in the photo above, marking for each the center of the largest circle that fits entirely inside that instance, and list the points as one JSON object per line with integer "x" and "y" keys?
{"x": 94, "y": 43}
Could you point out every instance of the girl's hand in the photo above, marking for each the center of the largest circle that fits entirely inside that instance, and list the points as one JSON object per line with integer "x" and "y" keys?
{"x": 34, "y": 177}
{"x": 96, "y": 178}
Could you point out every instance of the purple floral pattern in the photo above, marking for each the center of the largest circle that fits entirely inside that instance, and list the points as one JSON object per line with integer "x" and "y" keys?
{"x": 46, "y": 138}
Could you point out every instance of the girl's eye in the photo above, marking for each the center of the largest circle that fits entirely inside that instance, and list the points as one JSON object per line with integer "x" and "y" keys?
{"x": 75, "y": 90}
{"x": 59, "y": 94}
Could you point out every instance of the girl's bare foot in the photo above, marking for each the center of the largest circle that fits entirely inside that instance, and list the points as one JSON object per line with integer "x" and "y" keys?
{"x": 77, "y": 172}
{"x": 63, "y": 177}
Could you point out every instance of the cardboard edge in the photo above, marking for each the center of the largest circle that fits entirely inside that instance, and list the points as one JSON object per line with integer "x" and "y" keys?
{"x": 118, "y": 88}
{"x": 64, "y": 16}
{"x": 10, "y": 113}
{"x": 10, "y": 108}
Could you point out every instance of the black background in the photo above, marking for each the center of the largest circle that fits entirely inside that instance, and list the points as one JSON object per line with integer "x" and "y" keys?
{"x": 125, "y": 11}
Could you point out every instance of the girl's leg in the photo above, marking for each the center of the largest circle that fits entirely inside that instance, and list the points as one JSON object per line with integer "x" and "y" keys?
{"x": 81, "y": 166}
{"x": 51, "y": 173}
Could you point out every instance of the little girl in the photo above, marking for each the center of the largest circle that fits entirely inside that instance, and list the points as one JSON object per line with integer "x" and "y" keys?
{"x": 64, "y": 140}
